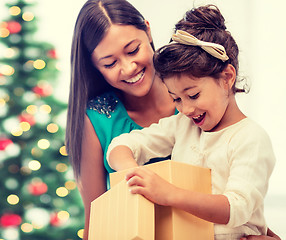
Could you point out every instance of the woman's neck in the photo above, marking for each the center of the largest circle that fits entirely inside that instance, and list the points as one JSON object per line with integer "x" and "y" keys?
{"x": 156, "y": 104}
{"x": 157, "y": 98}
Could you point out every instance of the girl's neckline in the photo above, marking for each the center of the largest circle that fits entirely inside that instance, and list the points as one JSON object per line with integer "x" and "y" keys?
{"x": 241, "y": 121}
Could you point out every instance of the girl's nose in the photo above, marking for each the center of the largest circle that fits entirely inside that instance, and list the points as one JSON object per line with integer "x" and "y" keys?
{"x": 187, "y": 109}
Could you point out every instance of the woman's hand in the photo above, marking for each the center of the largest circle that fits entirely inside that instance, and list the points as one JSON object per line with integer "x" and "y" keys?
{"x": 147, "y": 183}
{"x": 260, "y": 237}
{"x": 270, "y": 236}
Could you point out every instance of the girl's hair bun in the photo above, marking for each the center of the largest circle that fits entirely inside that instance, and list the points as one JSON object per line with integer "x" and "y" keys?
{"x": 204, "y": 18}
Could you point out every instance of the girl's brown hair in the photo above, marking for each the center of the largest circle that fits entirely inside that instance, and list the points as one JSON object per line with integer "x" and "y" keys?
{"x": 207, "y": 24}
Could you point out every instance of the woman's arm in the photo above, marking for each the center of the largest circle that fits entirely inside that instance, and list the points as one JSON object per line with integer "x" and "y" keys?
{"x": 92, "y": 182}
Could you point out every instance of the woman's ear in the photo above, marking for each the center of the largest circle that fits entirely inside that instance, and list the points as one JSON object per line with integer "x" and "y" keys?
{"x": 229, "y": 76}
{"x": 148, "y": 31}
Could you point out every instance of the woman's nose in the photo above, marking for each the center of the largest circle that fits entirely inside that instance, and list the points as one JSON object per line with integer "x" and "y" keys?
{"x": 128, "y": 67}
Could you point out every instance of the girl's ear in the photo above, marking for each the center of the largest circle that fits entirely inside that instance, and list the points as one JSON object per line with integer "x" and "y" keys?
{"x": 149, "y": 31}
{"x": 228, "y": 76}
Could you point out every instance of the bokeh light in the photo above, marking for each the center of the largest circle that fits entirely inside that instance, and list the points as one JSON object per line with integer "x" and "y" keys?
{"x": 34, "y": 165}
{"x": 13, "y": 199}
{"x": 14, "y": 10}
{"x": 28, "y": 16}
{"x": 62, "y": 192}
{"x": 63, "y": 151}
{"x": 52, "y": 128}
{"x": 44, "y": 143}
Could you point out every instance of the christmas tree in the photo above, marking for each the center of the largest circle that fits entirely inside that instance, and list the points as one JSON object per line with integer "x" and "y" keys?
{"x": 39, "y": 199}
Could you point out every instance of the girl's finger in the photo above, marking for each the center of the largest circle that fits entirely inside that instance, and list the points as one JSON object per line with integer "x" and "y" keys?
{"x": 136, "y": 190}
{"x": 135, "y": 181}
{"x": 139, "y": 171}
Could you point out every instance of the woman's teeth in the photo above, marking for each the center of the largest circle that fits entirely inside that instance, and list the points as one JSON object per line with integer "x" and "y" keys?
{"x": 136, "y": 78}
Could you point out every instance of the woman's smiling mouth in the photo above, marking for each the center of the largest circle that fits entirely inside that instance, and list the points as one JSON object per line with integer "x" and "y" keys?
{"x": 135, "y": 78}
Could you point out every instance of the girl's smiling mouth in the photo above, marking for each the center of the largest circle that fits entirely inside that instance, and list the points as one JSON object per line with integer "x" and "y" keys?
{"x": 199, "y": 119}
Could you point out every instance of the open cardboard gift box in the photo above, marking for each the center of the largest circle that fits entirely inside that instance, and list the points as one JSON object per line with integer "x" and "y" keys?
{"x": 120, "y": 215}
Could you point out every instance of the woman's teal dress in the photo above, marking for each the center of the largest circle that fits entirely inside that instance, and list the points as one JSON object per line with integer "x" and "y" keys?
{"x": 110, "y": 119}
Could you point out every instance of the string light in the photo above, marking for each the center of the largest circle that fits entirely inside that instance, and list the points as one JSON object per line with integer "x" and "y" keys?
{"x": 27, "y": 227}
{"x": 25, "y": 171}
{"x": 63, "y": 151}
{"x": 17, "y": 132}
{"x": 4, "y": 32}
{"x": 80, "y": 233}
{"x": 61, "y": 167}
{"x": 3, "y": 80}
{"x": 2, "y": 102}
{"x": 15, "y": 10}
{"x": 36, "y": 152}
{"x": 39, "y": 64}
{"x": 70, "y": 185}
{"x": 3, "y": 25}
{"x": 44, "y": 143}
{"x": 25, "y": 126}
{"x": 32, "y": 109}
{"x": 7, "y": 70}
{"x": 28, "y": 66}
{"x": 63, "y": 215}
{"x": 28, "y": 16}
{"x": 45, "y": 109}
{"x": 34, "y": 165}
{"x": 10, "y": 52}
{"x": 52, "y": 127}
{"x": 62, "y": 192}
{"x": 13, "y": 199}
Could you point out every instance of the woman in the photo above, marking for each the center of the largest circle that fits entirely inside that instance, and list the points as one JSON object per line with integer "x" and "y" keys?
{"x": 113, "y": 89}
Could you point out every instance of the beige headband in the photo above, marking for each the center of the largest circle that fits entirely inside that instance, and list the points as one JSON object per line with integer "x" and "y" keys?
{"x": 213, "y": 49}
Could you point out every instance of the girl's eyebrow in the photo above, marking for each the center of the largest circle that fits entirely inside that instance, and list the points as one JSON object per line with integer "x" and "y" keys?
{"x": 186, "y": 89}
{"x": 126, "y": 46}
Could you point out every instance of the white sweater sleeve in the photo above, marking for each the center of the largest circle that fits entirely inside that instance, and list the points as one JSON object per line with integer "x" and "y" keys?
{"x": 154, "y": 141}
{"x": 252, "y": 161}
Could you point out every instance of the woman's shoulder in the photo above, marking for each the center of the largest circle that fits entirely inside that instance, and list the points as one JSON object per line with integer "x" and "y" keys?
{"x": 109, "y": 116}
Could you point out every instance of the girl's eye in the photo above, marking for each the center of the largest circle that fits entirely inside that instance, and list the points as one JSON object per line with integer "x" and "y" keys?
{"x": 177, "y": 99}
{"x": 134, "y": 51}
{"x": 194, "y": 96}
{"x": 109, "y": 65}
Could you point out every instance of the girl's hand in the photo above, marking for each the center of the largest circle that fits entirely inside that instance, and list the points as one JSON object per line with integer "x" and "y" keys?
{"x": 147, "y": 183}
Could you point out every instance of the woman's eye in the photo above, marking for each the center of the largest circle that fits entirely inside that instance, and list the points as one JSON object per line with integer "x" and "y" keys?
{"x": 109, "y": 65}
{"x": 195, "y": 96}
{"x": 134, "y": 51}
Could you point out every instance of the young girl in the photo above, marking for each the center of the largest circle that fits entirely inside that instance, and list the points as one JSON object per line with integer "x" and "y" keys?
{"x": 199, "y": 70}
